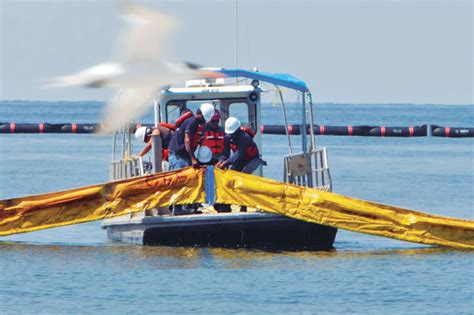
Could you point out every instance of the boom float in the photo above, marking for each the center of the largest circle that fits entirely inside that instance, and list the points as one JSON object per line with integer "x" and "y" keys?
{"x": 187, "y": 186}
{"x": 364, "y": 131}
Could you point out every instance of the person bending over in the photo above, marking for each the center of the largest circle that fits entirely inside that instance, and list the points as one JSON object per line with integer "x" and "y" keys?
{"x": 245, "y": 157}
{"x": 144, "y": 134}
{"x": 182, "y": 144}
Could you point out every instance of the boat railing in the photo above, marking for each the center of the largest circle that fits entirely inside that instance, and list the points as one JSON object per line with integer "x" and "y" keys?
{"x": 308, "y": 169}
{"x": 127, "y": 168}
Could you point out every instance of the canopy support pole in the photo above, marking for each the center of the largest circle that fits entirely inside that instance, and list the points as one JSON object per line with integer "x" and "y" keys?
{"x": 304, "y": 140}
{"x": 311, "y": 125}
{"x": 290, "y": 148}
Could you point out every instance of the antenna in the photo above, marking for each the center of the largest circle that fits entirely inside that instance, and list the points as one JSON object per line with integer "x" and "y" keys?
{"x": 236, "y": 33}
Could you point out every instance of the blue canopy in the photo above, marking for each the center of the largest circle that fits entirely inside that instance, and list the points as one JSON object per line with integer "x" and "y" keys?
{"x": 281, "y": 79}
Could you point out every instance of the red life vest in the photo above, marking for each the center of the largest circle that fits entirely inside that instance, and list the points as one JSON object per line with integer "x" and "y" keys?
{"x": 252, "y": 150}
{"x": 214, "y": 140}
{"x": 197, "y": 137}
{"x": 183, "y": 117}
{"x": 168, "y": 125}
{"x": 165, "y": 154}
{"x": 249, "y": 131}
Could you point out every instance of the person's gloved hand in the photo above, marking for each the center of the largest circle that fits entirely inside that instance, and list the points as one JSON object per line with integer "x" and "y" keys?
{"x": 195, "y": 163}
{"x": 221, "y": 165}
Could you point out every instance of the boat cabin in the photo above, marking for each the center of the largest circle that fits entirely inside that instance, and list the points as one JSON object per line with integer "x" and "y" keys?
{"x": 238, "y": 95}
{"x": 237, "y": 100}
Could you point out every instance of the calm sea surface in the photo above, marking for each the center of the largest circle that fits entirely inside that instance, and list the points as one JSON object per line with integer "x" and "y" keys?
{"x": 76, "y": 269}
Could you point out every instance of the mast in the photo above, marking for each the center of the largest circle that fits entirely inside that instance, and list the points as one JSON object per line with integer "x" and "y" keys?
{"x": 236, "y": 34}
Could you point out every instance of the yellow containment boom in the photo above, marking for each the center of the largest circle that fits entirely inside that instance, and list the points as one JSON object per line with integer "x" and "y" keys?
{"x": 342, "y": 212}
{"x": 101, "y": 201}
{"x": 187, "y": 186}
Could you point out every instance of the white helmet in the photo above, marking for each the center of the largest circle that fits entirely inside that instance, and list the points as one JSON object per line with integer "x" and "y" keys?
{"x": 203, "y": 154}
{"x": 231, "y": 125}
{"x": 141, "y": 133}
{"x": 207, "y": 111}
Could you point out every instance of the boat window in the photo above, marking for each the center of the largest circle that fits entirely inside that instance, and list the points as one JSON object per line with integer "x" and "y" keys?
{"x": 172, "y": 112}
{"x": 241, "y": 112}
{"x": 174, "y": 109}
{"x": 194, "y": 105}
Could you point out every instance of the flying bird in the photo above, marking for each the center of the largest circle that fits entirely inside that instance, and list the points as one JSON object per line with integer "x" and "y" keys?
{"x": 139, "y": 68}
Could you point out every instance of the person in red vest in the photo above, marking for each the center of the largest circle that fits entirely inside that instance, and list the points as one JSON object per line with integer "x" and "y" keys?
{"x": 213, "y": 138}
{"x": 245, "y": 157}
{"x": 183, "y": 142}
{"x": 144, "y": 134}
{"x": 165, "y": 131}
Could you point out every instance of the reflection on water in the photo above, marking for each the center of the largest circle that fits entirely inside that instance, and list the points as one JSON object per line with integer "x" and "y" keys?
{"x": 126, "y": 278}
{"x": 164, "y": 257}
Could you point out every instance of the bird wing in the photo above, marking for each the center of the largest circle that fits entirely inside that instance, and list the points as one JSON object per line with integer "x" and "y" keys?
{"x": 134, "y": 101}
{"x": 144, "y": 37}
{"x": 126, "y": 105}
{"x": 96, "y": 76}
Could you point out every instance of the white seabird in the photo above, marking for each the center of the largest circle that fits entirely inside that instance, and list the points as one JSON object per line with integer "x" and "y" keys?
{"x": 140, "y": 67}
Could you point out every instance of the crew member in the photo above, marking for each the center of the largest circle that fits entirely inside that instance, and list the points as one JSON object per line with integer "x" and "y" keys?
{"x": 182, "y": 146}
{"x": 144, "y": 134}
{"x": 213, "y": 138}
{"x": 246, "y": 157}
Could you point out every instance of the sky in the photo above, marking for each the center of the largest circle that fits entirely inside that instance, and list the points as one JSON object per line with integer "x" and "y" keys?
{"x": 347, "y": 51}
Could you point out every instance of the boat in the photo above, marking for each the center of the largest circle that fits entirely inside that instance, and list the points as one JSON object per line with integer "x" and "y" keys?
{"x": 237, "y": 94}
{"x": 300, "y": 213}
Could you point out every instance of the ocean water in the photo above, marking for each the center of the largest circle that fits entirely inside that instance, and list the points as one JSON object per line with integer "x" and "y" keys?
{"x": 76, "y": 269}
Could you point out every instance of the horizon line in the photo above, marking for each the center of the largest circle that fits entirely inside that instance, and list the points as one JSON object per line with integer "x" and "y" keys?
{"x": 315, "y": 103}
